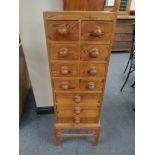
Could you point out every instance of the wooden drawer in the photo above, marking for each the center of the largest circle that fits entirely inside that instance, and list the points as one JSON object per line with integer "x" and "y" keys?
{"x": 63, "y": 51}
{"x": 65, "y": 85}
{"x": 123, "y": 37}
{"x": 92, "y": 69}
{"x": 80, "y": 99}
{"x": 82, "y": 120}
{"x": 62, "y": 30}
{"x": 94, "y": 52}
{"x": 120, "y": 28}
{"x": 64, "y": 69}
{"x": 82, "y": 112}
{"x": 96, "y": 30}
{"x": 121, "y": 45}
{"x": 91, "y": 85}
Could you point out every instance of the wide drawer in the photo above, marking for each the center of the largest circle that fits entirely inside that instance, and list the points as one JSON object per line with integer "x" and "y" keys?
{"x": 82, "y": 113}
{"x": 94, "y": 52}
{"x": 78, "y": 99}
{"x": 64, "y": 69}
{"x": 80, "y": 120}
{"x": 63, "y": 51}
{"x": 91, "y": 85}
{"x": 65, "y": 85}
{"x": 62, "y": 30}
{"x": 96, "y": 30}
{"x": 92, "y": 69}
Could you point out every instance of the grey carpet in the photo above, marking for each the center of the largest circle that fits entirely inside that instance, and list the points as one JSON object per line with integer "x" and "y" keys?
{"x": 117, "y": 120}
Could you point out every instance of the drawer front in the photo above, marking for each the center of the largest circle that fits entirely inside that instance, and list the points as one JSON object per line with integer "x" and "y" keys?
{"x": 94, "y": 52}
{"x": 123, "y": 37}
{"x": 81, "y": 120}
{"x": 121, "y": 45}
{"x": 96, "y": 30}
{"x": 92, "y": 69}
{"x": 78, "y": 99}
{"x": 124, "y": 28}
{"x": 65, "y": 85}
{"x": 81, "y": 113}
{"x": 63, "y": 30}
{"x": 63, "y": 52}
{"x": 64, "y": 69}
{"x": 91, "y": 85}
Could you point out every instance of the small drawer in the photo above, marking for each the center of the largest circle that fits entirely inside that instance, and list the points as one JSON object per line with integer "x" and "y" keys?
{"x": 65, "y": 85}
{"x": 62, "y": 30}
{"x": 64, "y": 69}
{"x": 96, "y": 30}
{"x": 92, "y": 69}
{"x": 78, "y": 99}
{"x": 91, "y": 85}
{"x": 78, "y": 120}
{"x": 94, "y": 52}
{"x": 63, "y": 52}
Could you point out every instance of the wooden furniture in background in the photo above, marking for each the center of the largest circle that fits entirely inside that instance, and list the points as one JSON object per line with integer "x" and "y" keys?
{"x": 24, "y": 82}
{"x": 79, "y": 48}
{"x": 83, "y": 5}
{"x": 123, "y": 33}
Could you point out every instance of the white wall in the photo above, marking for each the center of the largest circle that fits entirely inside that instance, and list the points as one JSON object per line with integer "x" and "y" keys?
{"x": 33, "y": 40}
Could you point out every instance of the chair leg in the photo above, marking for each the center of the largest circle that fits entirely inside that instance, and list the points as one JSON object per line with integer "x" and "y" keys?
{"x": 56, "y": 137}
{"x": 96, "y": 136}
{"x": 127, "y": 64}
{"x": 133, "y": 85}
{"x": 126, "y": 79}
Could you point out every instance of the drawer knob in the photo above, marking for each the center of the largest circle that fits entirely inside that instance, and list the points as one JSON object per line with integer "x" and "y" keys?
{"x": 94, "y": 53}
{"x": 77, "y": 98}
{"x": 63, "y": 31}
{"x": 63, "y": 52}
{"x": 92, "y": 70}
{"x": 77, "y": 110}
{"x": 65, "y": 85}
{"x": 77, "y": 120}
{"x": 97, "y": 32}
{"x": 64, "y": 70}
{"x": 91, "y": 85}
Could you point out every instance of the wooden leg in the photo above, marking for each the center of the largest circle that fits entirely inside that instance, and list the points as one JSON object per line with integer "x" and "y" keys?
{"x": 96, "y": 136}
{"x": 56, "y": 137}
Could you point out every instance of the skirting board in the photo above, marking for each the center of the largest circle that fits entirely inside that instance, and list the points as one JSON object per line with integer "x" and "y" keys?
{"x": 45, "y": 110}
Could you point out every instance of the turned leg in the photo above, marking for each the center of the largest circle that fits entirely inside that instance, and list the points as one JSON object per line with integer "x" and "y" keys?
{"x": 56, "y": 137}
{"x": 96, "y": 136}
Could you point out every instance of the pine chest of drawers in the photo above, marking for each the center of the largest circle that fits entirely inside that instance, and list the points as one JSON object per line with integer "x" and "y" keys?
{"x": 79, "y": 47}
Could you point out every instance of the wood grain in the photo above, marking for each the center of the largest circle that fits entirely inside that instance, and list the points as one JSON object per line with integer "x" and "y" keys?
{"x": 88, "y": 26}
{"x": 72, "y": 54}
{"x": 78, "y": 78}
{"x": 85, "y": 49}
{"x": 83, "y": 5}
{"x": 71, "y": 26}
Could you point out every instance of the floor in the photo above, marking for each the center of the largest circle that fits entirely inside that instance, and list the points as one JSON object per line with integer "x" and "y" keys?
{"x": 118, "y": 122}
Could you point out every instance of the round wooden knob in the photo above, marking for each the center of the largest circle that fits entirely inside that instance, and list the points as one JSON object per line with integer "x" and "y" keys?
{"x": 94, "y": 53}
{"x": 63, "y": 52}
{"x": 77, "y": 110}
{"x": 64, "y": 70}
{"x": 91, "y": 85}
{"x": 97, "y": 32}
{"x": 65, "y": 85}
{"x": 62, "y": 31}
{"x": 92, "y": 70}
{"x": 77, "y": 98}
{"x": 77, "y": 120}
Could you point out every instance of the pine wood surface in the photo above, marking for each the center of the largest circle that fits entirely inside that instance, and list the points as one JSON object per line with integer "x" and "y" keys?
{"x": 79, "y": 48}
